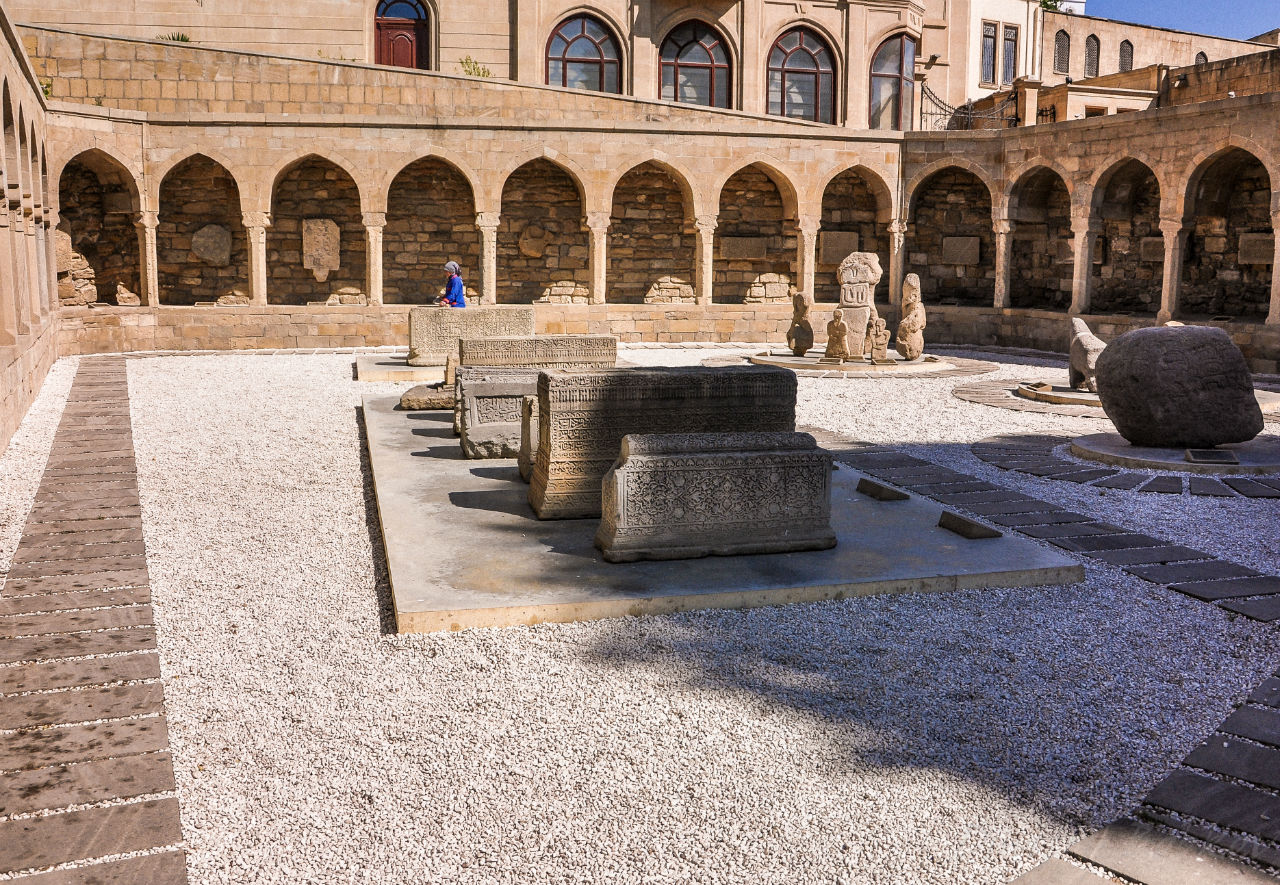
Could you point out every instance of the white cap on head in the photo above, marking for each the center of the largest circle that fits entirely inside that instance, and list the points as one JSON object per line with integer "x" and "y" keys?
{"x": 452, "y": 267}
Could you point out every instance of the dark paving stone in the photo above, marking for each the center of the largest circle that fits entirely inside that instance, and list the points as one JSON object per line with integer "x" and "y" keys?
{"x": 81, "y": 783}
{"x": 880, "y": 492}
{"x": 83, "y": 485}
{"x": 74, "y": 566}
{"x": 1271, "y": 482}
{"x": 1238, "y": 759}
{"x": 168, "y": 868}
{"x": 78, "y": 743}
{"x": 1226, "y": 804}
{"x": 71, "y": 523}
{"x": 1260, "y": 724}
{"x": 1123, "y": 481}
{"x": 58, "y": 838}
{"x": 912, "y": 474}
{"x": 1268, "y": 693}
{"x": 55, "y": 602}
{"x": 1072, "y": 530}
{"x": 54, "y": 547}
{"x": 82, "y": 705}
{"x": 1083, "y": 476}
{"x": 965, "y": 527}
{"x": 1205, "y": 486}
{"x": 1245, "y": 846}
{"x": 71, "y": 645}
{"x": 882, "y": 460}
{"x": 1150, "y": 555}
{"x": 1187, "y": 572}
{"x": 1144, "y": 854}
{"x": 952, "y": 488}
{"x": 1049, "y": 517}
{"x": 963, "y": 499}
{"x": 1251, "y": 489}
{"x": 1016, "y": 504}
{"x": 54, "y": 511}
{"x": 84, "y": 500}
{"x": 1016, "y": 463}
{"x": 12, "y": 626}
{"x": 48, "y": 675}
{"x": 1230, "y": 588}
{"x": 65, "y": 583}
{"x": 106, "y": 467}
{"x": 1051, "y": 468}
{"x": 1058, "y": 872}
{"x": 1094, "y": 543}
{"x": 1264, "y": 608}
{"x": 1167, "y": 485}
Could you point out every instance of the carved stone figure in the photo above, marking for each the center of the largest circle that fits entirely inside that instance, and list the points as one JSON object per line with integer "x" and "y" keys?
{"x": 910, "y": 344}
{"x": 235, "y": 296}
{"x": 858, "y": 275}
{"x": 434, "y": 331}
{"x": 212, "y": 245}
{"x": 878, "y": 338}
{"x": 125, "y": 298}
{"x": 321, "y": 246}
{"x": 683, "y": 495}
{"x": 1178, "y": 387}
{"x": 837, "y": 338}
{"x": 427, "y": 396}
{"x": 528, "y": 437}
{"x": 800, "y": 335}
{"x": 1085, "y": 350}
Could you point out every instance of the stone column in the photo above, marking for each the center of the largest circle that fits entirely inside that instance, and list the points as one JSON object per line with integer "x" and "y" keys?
{"x": 705, "y": 273}
{"x": 27, "y": 321}
{"x": 33, "y": 266}
{"x": 1084, "y": 241}
{"x": 255, "y": 228}
{"x": 897, "y": 262}
{"x": 807, "y": 251}
{"x": 146, "y": 224}
{"x": 51, "y": 256}
{"x": 1001, "y": 227}
{"x": 1175, "y": 240}
{"x": 10, "y": 311}
{"x": 42, "y": 262}
{"x": 374, "y": 222}
{"x": 1273, "y": 315}
{"x": 487, "y": 222}
{"x": 598, "y": 224}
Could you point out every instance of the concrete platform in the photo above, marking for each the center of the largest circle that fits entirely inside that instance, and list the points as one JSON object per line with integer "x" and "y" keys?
{"x": 811, "y": 365}
{"x": 390, "y": 367}
{"x": 465, "y": 550}
{"x": 1257, "y": 456}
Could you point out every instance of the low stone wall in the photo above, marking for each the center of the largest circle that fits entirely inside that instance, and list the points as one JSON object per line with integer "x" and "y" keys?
{"x": 22, "y": 371}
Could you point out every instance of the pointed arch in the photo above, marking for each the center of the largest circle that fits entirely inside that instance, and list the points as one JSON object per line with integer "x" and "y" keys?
{"x": 693, "y": 206}
{"x": 201, "y": 244}
{"x": 770, "y": 167}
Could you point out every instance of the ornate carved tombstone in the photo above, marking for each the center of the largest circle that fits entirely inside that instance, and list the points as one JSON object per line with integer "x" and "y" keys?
{"x": 487, "y": 406}
{"x": 837, "y": 338}
{"x": 683, "y": 495}
{"x": 434, "y": 331}
{"x": 541, "y": 351}
{"x": 800, "y": 335}
{"x": 528, "y": 436}
{"x": 910, "y": 344}
{"x": 858, "y": 275}
{"x": 1086, "y": 347}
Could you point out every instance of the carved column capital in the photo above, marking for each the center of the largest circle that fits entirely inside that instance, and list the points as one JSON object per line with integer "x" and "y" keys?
{"x": 809, "y": 224}
{"x": 1001, "y": 227}
{"x": 256, "y": 219}
{"x": 599, "y": 221}
{"x": 1172, "y": 227}
{"x": 147, "y": 220}
{"x": 374, "y": 219}
{"x": 487, "y": 220}
{"x": 706, "y": 224}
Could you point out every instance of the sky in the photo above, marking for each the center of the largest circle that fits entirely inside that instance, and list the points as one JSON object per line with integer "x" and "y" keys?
{"x": 1239, "y": 18}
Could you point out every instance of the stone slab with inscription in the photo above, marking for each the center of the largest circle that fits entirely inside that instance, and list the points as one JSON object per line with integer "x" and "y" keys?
{"x": 686, "y": 495}
{"x": 1151, "y": 249}
{"x": 321, "y": 246}
{"x": 1257, "y": 249}
{"x": 584, "y": 415}
{"x": 434, "y": 331}
{"x": 541, "y": 351}
{"x": 961, "y": 250}
{"x": 834, "y": 245}
{"x": 743, "y": 247}
{"x": 487, "y": 409}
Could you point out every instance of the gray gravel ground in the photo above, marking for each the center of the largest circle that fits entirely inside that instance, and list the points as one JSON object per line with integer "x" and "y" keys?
{"x": 957, "y": 738}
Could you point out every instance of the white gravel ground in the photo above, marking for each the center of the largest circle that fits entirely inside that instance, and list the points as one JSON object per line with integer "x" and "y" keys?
{"x": 959, "y": 738}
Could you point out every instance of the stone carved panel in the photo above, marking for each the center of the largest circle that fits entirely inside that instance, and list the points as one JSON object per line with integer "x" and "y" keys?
{"x": 744, "y": 247}
{"x": 321, "y": 246}
{"x": 542, "y": 351}
{"x": 212, "y": 245}
{"x": 584, "y": 415}
{"x": 834, "y": 245}
{"x": 496, "y": 409}
{"x": 487, "y": 409}
{"x": 1151, "y": 249}
{"x": 434, "y": 331}
{"x": 965, "y": 251}
{"x": 1257, "y": 249}
{"x": 683, "y": 495}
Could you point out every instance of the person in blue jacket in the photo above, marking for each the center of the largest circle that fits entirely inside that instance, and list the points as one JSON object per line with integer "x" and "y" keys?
{"x": 454, "y": 290}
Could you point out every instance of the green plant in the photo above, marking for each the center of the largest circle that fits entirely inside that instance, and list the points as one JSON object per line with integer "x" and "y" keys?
{"x": 1051, "y": 5}
{"x": 473, "y": 68}
{"x": 179, "y": 37}
{"x": 46, "y": 86}
{"x": 98, "y": 101}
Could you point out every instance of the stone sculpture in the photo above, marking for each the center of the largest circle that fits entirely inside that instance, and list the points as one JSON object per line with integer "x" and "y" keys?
{"x": 1178, "y": 387}
{"x": 234, "y": 297}
{"x": 878, "y": 338}
{"x": 910, "y": 343}
{"x": 858, "y": 275}
{"x": 684, "y": 495}
{"x": 487, "y": 409}
{"x": 125, "y": 298}
{"x": 582, "y": 417}
{"x": 434, "y": 331}
{"x": 800, "y": 335}
{"x": 424, "y": 397}
{"x": 212, "y": 245}
{"x": 321, "y": 246}
{"x": 1086, "y": 347}
{"x": 837, "y": 338}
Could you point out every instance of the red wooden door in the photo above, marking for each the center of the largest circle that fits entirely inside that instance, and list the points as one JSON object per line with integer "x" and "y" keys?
{"x": 401, "y": 42}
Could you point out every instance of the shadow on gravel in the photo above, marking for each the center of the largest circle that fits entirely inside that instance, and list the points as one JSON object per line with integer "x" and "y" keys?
{"x": 381, "y": 581}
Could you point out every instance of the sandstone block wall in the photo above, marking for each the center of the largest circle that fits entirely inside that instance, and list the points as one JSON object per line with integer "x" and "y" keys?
{"x": 953, "y": 205}
{"x": 200, "y": 206}
{"x": 755, "y": 247}
{"x": 849, "y": 206}
{"x": 430, "y": 220}
{"x": 651, "y": 240}
{"x": 543, "y": 247}
{"x": 314, "y": 190}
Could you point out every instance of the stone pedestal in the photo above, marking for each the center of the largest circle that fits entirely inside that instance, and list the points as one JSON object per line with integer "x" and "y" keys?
{"x": 434, "y": 331}
{"x": 584, "y": 415}
{"x": 686, "y": 495}
{"x": 487, "y": 409}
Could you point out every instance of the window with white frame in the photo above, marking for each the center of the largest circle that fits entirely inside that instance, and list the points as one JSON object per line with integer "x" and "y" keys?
{"x": 1010, "y": 68}
{"x": 988, "y": 69}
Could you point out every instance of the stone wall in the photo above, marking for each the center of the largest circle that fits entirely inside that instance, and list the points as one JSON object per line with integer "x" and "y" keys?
{"x": 1254, "y": 74}
{"x": 652, "y": 245}
{"x": 848, "y": 207}
{"x": 430, "y": 220}
{"x": 1130, "y": 252}
{"x": 950, "y": 216}
{"x": 99, "y": 217}
{"x": 542, "y": 241}
{"x": 201, "y": 243}
{"x": 755, "y": 245}
{"x": 318, "y": 191}
{"x": 1236, "y": 200}
{"x": 1041, "y": 260}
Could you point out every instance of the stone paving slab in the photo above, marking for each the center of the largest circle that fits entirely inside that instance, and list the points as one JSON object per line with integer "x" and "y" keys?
{"x": 13, "y": 626}
{"x": 71, "y": 645}
{"x": 1150, "y": 555}
{"x": 1096, "y": 543}
{"x": 48, "y": 675}
{"x": 1018, "y": 504}
{"x": 167, "y": 868}
{"x": 78, "y": 743}
{"x": 1208, "y": 487}
{"x": 1122, "y": 482}
{"x": 1242, "y": 845}
{"x": 1261, "y": 724}
{"x": 1144, "y": 854}
{"x": 1251, "y": 488}
{"x": 1058, "y": 872}
{"x": 1165, "y": 485}
{"x": 1187, "y": 572}
{"x": 82, "y": 783}
{"x": 32, "y": 843}
{"x": 63, "y": 583}
{"x": 94, "y": 565}
{"x": 1071, "y": 530}
{"x": 1221, "y": 802}
{"x": 1267, "y": 694}
{"x": 1240, "y": 759}
{"x": 81, "y": 705}
{"x": 1231, "y": 588}
{"x": 51, "y": 548}
{"x": 1044, "y": 517}
{"x": 53, "y": 602}
{"x": 65, "y": 524}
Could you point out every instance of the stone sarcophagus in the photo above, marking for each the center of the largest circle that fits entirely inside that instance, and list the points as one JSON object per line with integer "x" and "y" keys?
{"x": 684, "y": 495}
{"x": 528, "y": 437}
{"x": 542, "y": 351}
{"x": 487, "y": 403}
{"x": 434, "y": 331}
{"x": 583, "y": 416}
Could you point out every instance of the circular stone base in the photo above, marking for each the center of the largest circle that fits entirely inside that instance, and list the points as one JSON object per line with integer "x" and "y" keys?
{"x": 1259, "y": 455}
{"x": 1058, "y": 395}
{"x": 812, "y": 364}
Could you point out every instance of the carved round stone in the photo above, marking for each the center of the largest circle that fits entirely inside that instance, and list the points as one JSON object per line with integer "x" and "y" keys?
{"x": 212, "y": 245}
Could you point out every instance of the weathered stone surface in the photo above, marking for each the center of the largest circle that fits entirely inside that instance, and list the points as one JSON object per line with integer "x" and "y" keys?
{"x": 427, "y": 396}
{"x": 834, "y": 245}
{"x": 1178, "y": 387}
{"x": 528, "y": 437}
{"x": 434, "y": 331}
{"x": 739, "y": 248}
{"x": 800, "y": 333}
{"x": 212, "y": 245}
{"x": 910, "y": 343}
{"x": 685, "y": 495}
{"x": 837, "y": 338}
{"x": 125, "y": 298}
{"x": 1085, "y": 349}
{"x": 542, "y": 351}
{"x": 235, "y": 296}
{"x": 321, "y": 246}
{"x": 488, "y": 404}
{"x": 1257, "y": 249}
{"x": 1151, "y": 249}
{"x": 964, "y": 251}
{"x": 584, "y": 415}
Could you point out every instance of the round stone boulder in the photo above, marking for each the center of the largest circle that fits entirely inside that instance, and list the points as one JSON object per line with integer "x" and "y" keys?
{"x": 1178, "y": 387}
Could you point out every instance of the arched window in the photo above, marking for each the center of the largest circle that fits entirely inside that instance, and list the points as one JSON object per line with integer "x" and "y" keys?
{"x": 1126, "y": 56}
{"x": 1201, "y": 58}
{"x": 694, "y": 66}
{"x": 893, "y": 84}
{"x": 1092, "y": 49}
{"x": 582, "y": 54}
{"x": 802, "y": 80}
{"x": 1062, "y": 53}
{"x": 402, "y": 35}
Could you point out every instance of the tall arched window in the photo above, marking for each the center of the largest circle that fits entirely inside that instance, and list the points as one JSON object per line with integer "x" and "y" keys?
{"x": 694, "y": 66}
{"x": 1126, "y": 56}
{"x": 893, "y": 83}
{"x": 1092, "y": 49}
{"x": 802, "y": 77}
{"x": 582, "y": 54}
{"x": 1201, "y": 58}
{"x": 1062, "y": 53}
{"x": 402, "y": 35}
